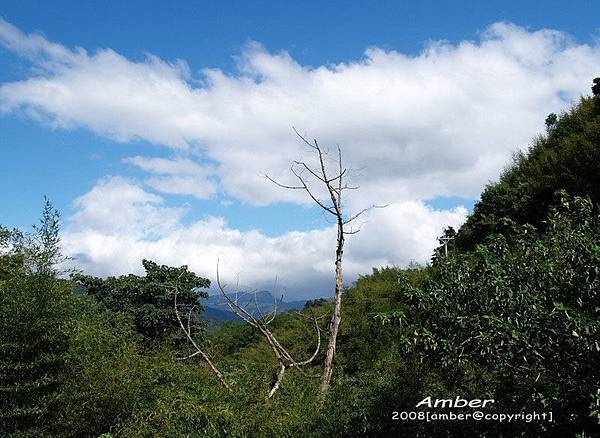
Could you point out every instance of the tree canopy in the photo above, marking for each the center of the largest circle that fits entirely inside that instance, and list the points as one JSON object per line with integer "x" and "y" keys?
{"x": 148, "y": 298}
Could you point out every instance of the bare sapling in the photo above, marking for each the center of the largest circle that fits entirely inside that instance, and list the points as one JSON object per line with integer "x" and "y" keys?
{"x": 315, "y": 180}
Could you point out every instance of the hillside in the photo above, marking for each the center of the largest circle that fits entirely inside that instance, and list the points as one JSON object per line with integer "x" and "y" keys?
{"x": 566, "y": 157}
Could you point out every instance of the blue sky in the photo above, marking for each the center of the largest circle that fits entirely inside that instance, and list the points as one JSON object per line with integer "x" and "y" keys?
{"x": 284, "y": 63}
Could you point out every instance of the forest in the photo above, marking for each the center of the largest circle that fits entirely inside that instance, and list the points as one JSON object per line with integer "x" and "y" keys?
{"x": 510, "y": 313}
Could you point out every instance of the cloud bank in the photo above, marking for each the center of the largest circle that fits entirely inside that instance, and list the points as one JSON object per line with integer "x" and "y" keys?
{"x": 441, "y": 123}
{"x": 143, "y": 227}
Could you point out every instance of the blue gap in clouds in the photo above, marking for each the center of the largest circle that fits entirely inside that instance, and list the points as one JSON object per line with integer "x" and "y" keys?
{"x": 272, "y": 220}
{"x": 207, "y": 34}
{"x": 450, "y": 202}
{"x": 61, "y": 164}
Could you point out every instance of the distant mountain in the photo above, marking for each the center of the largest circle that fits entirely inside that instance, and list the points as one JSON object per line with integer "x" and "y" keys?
{"x": 217, "y": 312}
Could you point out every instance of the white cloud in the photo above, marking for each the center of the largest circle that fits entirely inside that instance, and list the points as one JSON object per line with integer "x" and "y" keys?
{"x": 439, "y": 123}
{"x": 118, "y": 224}
{"x": 35, "y": 46}
{"x": 443, "y": 122}
{"x": 178, "y": 176}
{"x": 119, "y": 205}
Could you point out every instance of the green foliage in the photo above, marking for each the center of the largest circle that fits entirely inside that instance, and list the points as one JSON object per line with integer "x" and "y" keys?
{"x": 314, "y": 303}
{"x": 195, "y": 404}
{"x": 519, "y": 316}
{"x": 35, "y": 312}
{"x": 596, "y": 87}
{"x": 40, "y": 249}
{"x": 45, "y": 253}
{"x": 37, "y": 252}
{"x": 121, "y": 386}
{"x": 149, "y": 299}
{"x": 106, "y": 372}
{"x": 566, "y": 158}
{"x": 551, "y": 120}
{"x": 34, "y": 318}
{"x": 11, "y": 261}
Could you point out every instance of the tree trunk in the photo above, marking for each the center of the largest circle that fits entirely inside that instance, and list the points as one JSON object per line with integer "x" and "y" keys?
{"x": 337, "y": 316}
{"x": 335, "y": 186}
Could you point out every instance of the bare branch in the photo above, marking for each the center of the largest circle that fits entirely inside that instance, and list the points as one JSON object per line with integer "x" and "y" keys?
{"x": 303, "y": 138}
{"x": 258, "y": 309}
{"x": 189, "y": 318}
{"x": 312, "y": 172}
{"x": 198, "y": 351}
{"x": 278, "y": 381}
{"x": 313, "y": 197}
{"x": 364, "y": 210}
{"x": 314, "y": 355}
{"x": 341, "y": 171}
{"x": 284, "y": 358}
{"x": 190, "y": 356}
{"x": 352, "y": 231}
{"x": 233, "y": 305}
{"x": 304, "y": 187}
{"x": 274, "y": 313}
{"x": 346, "y": 187}
{"x": 283, "y": 185}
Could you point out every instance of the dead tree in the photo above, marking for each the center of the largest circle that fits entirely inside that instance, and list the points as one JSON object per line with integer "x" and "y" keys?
{"x": 335, "y": 186}
{"x": 260, "y": 322}
{"x": 187, "y": 329}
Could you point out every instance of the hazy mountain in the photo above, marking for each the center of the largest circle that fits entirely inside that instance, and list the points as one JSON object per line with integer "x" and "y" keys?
{"x": 216, "y": 310}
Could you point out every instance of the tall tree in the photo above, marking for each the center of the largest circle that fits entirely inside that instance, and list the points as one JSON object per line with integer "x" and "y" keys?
{"x": 41, "y": 249}
{"x": 35, "y": 312}
{"x": 148, "y": 298}
{"x": 314, "y": 180}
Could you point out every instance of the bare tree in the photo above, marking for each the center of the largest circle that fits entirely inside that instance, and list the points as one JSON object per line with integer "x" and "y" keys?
{"x": 187, "y": 329}
{"x": 239, "y": 303}
{"x": 335, "y": 186}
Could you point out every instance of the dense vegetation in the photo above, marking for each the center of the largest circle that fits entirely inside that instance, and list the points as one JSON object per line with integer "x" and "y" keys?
{"x": 148, "y": 299}
{"x": 510, "y": 314}
{"x": 567, "y": 158}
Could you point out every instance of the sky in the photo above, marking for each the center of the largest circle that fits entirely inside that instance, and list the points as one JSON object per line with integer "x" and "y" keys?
{"x": 151, "y": 125}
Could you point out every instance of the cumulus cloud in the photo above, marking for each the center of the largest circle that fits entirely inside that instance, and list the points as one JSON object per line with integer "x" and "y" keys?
{"x": 120, "y": 205}
{"x": 442, "y": 122}
{"x": 118, "y": 224}
{"x": 439, "y": 123}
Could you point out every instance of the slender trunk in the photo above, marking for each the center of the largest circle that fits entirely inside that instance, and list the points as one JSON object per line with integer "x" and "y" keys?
{"x": 215, "y": 370}
{"x": 335, "y": 186}
{"x": 188, "y": 334}
{"x": 336, "y": 317}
